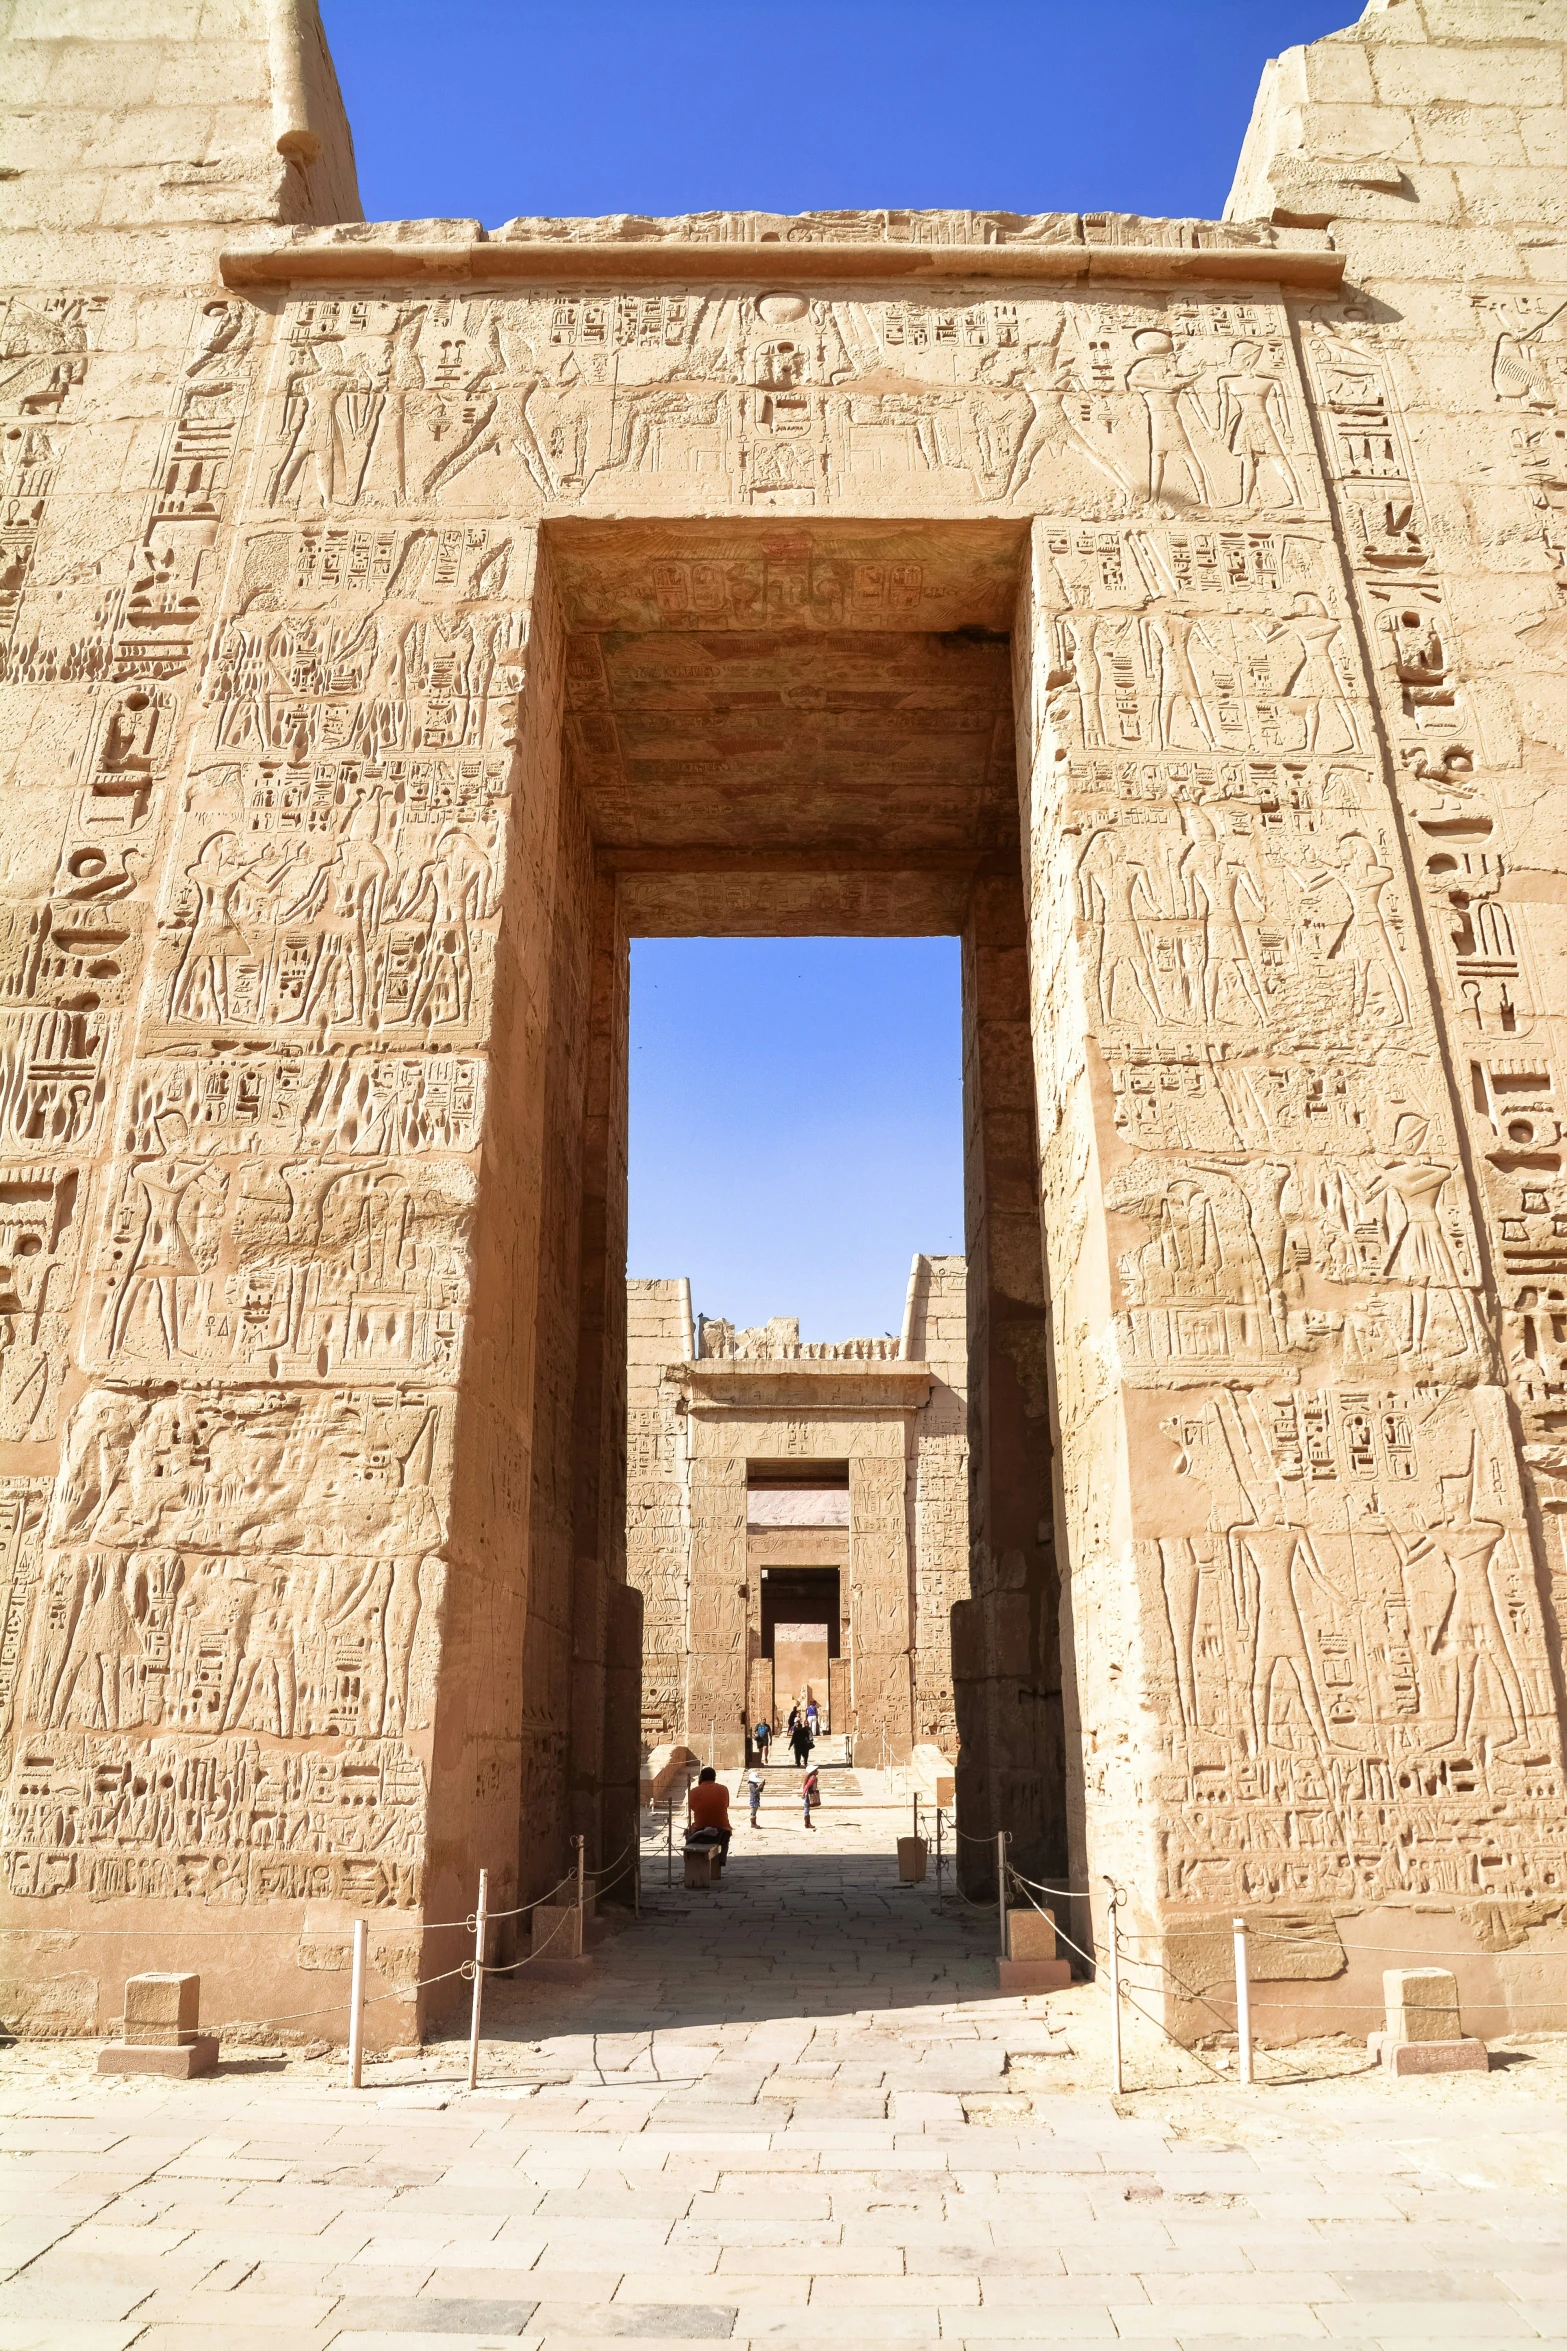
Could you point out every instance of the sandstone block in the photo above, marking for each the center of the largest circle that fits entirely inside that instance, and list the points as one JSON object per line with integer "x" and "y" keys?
{"x": 1422, "y": 2004}
{"x": 1031, "y": 1934}
{"x": 1033, "y": 1975}
{"x": 557, "y": 1931}
{"x": 160, "y": 2035}
{"x": 161, "y": 2011}
{"x": 1463, "y": 2055}
{"x": 198, "y": 2055}
{"x": 912, "y": 1853}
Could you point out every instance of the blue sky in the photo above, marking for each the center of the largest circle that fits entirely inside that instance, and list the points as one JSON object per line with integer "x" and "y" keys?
{"x": 796, "y": 1114}
{"x": 489, "y": 108}
{"x": 796, "y": 1123}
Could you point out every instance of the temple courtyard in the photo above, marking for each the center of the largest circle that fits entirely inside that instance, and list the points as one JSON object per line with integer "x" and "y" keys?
{"x": 793, "y": 2108}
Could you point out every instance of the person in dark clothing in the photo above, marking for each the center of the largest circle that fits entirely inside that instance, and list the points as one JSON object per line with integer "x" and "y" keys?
{"x": 800, "y": 1741}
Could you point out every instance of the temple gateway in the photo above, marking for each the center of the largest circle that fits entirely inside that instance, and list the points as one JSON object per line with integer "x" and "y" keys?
{"x": 397, "y": 618}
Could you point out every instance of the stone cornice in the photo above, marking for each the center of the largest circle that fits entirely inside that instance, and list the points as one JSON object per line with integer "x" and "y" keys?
{"x": 336, "y": 258}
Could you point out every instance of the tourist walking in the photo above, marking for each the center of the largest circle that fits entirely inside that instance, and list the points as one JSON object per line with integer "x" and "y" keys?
{"x": 761, "y": 1740}
{"x": 812, "y": 1717}
{"x": 754, "y": 1785}
{"x": 810, "y": 1792}
{"x": 801, "y": 1741}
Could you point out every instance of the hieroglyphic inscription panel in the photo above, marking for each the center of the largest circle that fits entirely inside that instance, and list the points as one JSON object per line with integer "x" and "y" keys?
{"x": 1340, "y": 1631}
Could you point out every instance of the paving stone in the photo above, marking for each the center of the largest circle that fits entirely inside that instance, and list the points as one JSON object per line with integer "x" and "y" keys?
{"x": 434, "y": 2314}
{"x": 663, "y": 2321}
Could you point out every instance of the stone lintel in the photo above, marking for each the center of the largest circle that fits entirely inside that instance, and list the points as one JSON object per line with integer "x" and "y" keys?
{"x": 757, "y": 1384}
{"x": 486, "y": 260}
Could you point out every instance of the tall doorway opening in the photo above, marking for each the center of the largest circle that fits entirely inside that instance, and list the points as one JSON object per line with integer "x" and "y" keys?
{"x": 786, "y": 729}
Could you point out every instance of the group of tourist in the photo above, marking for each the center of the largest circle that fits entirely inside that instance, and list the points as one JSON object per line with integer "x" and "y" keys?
{"x": 708, "y": 1800}
{"x": 800, "y": 1734}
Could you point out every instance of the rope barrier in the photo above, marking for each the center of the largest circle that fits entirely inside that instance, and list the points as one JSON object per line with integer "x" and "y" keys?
{"x": 376, "y": 2000}
{"x": 1092, "y": 1956}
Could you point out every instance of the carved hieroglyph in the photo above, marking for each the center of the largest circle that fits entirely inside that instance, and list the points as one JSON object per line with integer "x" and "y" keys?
{"x": 394, "y": 619}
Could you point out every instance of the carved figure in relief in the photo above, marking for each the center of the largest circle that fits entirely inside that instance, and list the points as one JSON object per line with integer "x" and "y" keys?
{"x": 1252, "y": 410}
{"x": 502, "y": 427}
{"x": 1364, "y": 941}
{"x": 1420, "y": 1253}
{"x": 1048, "y": 380}
{"x": 1520, "y": 369}
{"x": 1116, "y": 893}
{"x": 1269, "y": 1555}
{"x": 1218, "y": 878}
{"x": 1161, "y": 381}
{"x": 1091, "y": 637}
{"x": 1312, "y": 678}
{"x": 163, "y": 1253}
{"x": 1167, "y": 641}
{"x": 43, "y": 354}
{"x": 201, "y": 983}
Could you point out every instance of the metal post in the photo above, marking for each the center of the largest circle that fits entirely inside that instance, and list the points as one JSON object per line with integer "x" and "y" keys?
{"x": 1242, "y": 2002}
{"x": 916, "y": 1816}
{"x": 939, "y": 1819}
{"x": 1115, "y": 1992}
{"x": 1001, "y": 1887}
{"x": 581, "y": 1844}
{"x": 479, "y": 1922}
{"x": 356, "y": 2008}
{"x": 669, "y": 1845}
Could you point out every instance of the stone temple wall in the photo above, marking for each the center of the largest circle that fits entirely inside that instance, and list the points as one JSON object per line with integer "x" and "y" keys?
{"x": 396, "y": 618}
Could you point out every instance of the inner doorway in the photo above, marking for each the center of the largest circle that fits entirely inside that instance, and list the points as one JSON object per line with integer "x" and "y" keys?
{"x": 800, "y": 1639}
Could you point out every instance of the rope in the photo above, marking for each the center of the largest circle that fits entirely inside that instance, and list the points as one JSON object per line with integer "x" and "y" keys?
{"x": 376, "y": 1999}
{"x": 1092, "y": 1957}
{"x": 471, "y": 1922}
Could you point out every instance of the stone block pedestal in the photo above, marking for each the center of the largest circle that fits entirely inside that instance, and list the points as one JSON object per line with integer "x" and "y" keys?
{"x": 1031, "y": 1964}
{"x": 1033, "y": 1975}
{"x": 181, "y": 2064}
{"x": 1465, "y": 2055}
{"x": 558, "y": 1930}
{"x": 1424, "y": 2033}
{"x": 159, "y": 2027}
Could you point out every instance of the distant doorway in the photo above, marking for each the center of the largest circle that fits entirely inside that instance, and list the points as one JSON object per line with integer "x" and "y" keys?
{"x": 801, "y": 1637}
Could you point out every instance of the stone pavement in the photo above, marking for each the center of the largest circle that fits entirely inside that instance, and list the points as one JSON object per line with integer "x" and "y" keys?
{"x": 790, "y": 2109}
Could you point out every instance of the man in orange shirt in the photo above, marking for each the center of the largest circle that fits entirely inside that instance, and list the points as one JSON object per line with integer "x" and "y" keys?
{"x": 708, "y": 1803}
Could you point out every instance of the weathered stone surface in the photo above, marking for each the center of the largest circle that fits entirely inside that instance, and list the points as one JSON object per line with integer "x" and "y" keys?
{"x": 161, "y": 2011}
{"x": 394, "y": 619}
